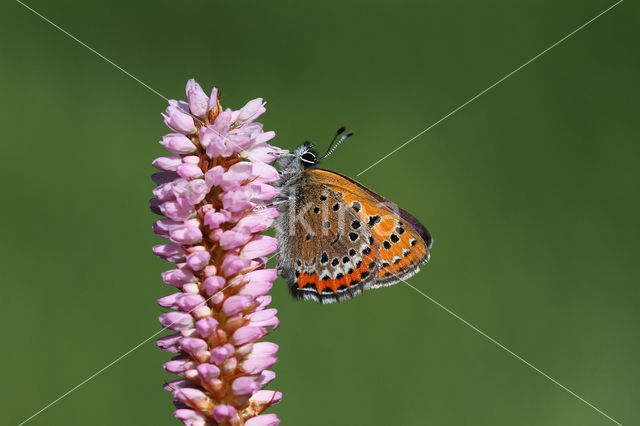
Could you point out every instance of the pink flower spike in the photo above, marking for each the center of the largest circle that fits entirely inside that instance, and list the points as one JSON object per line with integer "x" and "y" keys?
{"x": 168, "y": 163}
{"x": 198, "y": 100}
{"x": 208, "y": 189}
{"x": 177, "y": 143}
{"x": 179, "y": 121}
{"x": 263, "y": 420}
{"x": 259, "y": 246}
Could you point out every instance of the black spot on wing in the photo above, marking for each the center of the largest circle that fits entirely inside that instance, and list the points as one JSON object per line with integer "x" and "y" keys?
{"x": 373, "y": 220}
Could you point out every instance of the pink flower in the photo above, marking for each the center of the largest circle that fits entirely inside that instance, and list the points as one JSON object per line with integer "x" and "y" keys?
{"x": 177, "y": 143}
{"x": 214, "y": 218}
{"x": 198, "y": 101}
{"x": 178, "y": 120}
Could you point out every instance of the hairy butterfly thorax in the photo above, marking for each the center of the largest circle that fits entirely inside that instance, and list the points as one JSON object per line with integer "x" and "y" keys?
{"x": 337, "y": 237}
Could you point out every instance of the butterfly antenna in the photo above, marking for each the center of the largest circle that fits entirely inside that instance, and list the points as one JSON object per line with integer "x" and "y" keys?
{"x": 333, "y": 147}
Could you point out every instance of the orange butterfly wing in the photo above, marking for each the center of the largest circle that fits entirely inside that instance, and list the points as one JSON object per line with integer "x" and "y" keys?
{"x": 403, "y": 242}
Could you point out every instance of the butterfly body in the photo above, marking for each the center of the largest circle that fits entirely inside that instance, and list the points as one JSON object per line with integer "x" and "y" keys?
{"x": 337, "y": 237}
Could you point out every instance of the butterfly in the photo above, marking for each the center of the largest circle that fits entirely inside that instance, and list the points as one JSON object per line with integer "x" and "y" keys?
{"x": 338, "y": 238}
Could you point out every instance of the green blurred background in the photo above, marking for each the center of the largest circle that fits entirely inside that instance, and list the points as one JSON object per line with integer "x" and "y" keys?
{"x": 531, "y": 193}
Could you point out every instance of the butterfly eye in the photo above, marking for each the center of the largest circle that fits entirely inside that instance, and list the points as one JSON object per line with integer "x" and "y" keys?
{"x": 309, "y": 158}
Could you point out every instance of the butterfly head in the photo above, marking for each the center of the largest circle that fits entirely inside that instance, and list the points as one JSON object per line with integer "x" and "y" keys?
{"x": 306, "y": 155}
